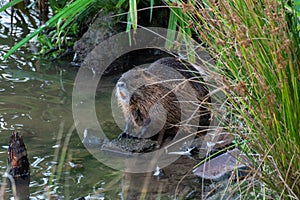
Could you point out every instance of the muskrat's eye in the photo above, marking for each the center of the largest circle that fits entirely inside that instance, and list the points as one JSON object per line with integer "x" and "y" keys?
{"x": 121, "y": 84}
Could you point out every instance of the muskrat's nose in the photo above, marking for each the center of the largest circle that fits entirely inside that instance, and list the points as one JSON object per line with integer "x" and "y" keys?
{"x": 121, "y": 84}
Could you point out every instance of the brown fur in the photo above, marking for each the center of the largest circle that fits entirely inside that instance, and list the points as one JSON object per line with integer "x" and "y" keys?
{"x": 139, "y": 90}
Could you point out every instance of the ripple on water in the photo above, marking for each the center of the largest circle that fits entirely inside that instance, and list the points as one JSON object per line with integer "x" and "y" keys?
{"x": 9, "y": 77}
{"x": 32, "y": 101}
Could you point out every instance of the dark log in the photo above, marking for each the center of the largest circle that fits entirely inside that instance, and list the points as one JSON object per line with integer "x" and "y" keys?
{"x": 18, "y": 167}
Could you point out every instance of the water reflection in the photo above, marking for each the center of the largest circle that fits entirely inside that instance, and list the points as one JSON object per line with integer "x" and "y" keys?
{"x": 35, "y": 102}
{"x": 9, "y": 77}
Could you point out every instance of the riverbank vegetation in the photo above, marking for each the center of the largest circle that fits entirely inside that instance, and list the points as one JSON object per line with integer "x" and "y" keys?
{"x": 70, "y": 18}
{"x": 255, "y": 45}
{"x": 62, "y": 28}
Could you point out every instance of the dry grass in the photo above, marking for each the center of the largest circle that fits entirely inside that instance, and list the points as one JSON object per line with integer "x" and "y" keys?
{"x": 256, "y": 47}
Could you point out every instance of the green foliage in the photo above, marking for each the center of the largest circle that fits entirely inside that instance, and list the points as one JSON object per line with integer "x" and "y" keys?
{"x": 133, "y": 13}
{"x": 63, "y": 35}
{"x": 10, "y": 4}
{"x": 63, "y": 20}
{"x": 57, "y": 39}
{"x": 297, "y": 10}
{"x": 132, "y": 7}
{"x": 64, "y": 24}
{"x": 57, "y": 5}
{"x": 179, "y": 22}
{"x": 257, "y": 55}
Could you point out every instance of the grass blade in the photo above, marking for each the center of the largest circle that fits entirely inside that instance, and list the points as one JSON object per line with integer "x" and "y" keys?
{"x": 151, "y": 9}
{"x": 68, "y": 12}
{"x": 120, "y": 3}
{"x": 10, "y": 4}
{"x": 171, "y": 34}
{"x": 133, "y": 13}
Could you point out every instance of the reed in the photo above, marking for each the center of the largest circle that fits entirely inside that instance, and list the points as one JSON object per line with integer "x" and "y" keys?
{"x": 61, "y": 20}
{"x": 256, "y": 47}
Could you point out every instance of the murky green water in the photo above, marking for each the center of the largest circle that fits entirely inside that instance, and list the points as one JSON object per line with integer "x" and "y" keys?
{"x": 36, "y": 100}
{"x": 38, "y": 105}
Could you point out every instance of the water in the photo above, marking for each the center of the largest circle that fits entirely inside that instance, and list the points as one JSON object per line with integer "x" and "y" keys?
{"x": 37, "y": 109}
{"x": 37, "y": 103}
{"x": 36, "y": 100}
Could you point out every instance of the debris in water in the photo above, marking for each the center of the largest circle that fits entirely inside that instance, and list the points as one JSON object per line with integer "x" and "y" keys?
{"x": 216, "y": 168}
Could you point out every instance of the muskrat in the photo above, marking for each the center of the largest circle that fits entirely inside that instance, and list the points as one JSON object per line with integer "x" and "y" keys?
{"x": 160, "y": 97}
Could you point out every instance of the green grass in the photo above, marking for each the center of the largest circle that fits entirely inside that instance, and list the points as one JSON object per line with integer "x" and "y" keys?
{"x": 62, "y": 20}
{"x": 10, "y": 4}
{"x": 69, "y": 14}
{"x": 132, "y": 6}
{"x": 256, "y": 47}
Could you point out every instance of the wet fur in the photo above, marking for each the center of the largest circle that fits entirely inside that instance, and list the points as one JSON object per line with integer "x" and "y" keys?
{"x": 136, "y": 109}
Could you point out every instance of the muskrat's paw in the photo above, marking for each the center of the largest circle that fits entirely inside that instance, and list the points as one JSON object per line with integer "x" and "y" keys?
{"x": 139, "y": 135}
{"x": 124, "y": 135}
{"x": 142, "y": 133}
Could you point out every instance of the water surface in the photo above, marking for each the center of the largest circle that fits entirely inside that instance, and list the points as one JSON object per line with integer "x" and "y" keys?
{"x": 35, "y": 100}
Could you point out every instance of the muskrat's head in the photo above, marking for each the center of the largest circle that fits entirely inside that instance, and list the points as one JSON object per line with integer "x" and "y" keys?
{"x": 122, "y": 91}
{"x": 130, "y": 82}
